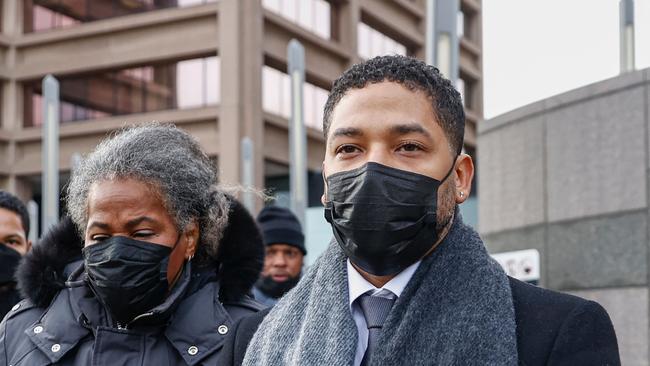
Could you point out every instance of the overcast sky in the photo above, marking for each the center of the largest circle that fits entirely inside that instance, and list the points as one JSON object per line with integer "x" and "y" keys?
{"x": 534, "y": 49}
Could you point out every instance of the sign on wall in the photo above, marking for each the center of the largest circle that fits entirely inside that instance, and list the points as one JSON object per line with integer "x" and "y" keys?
{"x": 523, "y": 265}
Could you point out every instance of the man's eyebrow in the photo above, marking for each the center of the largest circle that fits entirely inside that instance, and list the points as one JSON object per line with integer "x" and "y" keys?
{"x": 406, "y": 128}
{"x": 12, "y": 236}
{"x": 347, "y": 131}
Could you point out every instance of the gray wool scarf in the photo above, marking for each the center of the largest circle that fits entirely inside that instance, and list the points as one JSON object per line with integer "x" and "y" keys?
{"x": 456, "y": 310}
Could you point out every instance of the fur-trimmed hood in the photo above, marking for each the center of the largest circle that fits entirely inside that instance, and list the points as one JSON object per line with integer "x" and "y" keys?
{"x": 42, "y": 272}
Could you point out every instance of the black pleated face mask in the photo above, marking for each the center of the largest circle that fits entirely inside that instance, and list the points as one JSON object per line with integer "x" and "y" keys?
{"x": 9, "y": 259}
{"x": 128, "y": 276}
{"x": 383, "y": 218}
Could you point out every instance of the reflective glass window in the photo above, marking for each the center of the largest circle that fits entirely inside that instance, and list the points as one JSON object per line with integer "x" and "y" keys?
{"x": 372, "y": 42}
{"x": 171, "y": 85}
{"x": 276, "y": 97}
{"x": 42, "y": 15}
{"x": 313, "y": 15}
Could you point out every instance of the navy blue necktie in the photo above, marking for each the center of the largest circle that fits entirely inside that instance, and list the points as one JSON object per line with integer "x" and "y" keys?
{"x": 375, "y": 309}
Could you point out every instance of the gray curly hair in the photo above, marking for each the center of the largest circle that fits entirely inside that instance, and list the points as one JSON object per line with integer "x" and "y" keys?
{"x": 169, "y": 160}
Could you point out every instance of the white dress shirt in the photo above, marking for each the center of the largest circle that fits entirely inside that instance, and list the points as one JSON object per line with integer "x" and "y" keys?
{"x": 357, "y": 286}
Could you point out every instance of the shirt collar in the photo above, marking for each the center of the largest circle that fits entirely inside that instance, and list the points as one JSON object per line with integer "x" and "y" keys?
{"x": 357, "y": 285}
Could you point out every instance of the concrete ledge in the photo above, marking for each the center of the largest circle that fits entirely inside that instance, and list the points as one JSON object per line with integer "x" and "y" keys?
{"x": 597, "y": 89}
{"x": 608, "y": 86}
{"x": 515, "y": 115}
{"x": 281, "y": 122}
{"x": 276, "y": 142}
{"x": 405, "y": 18}
{"x": 606, "y": 251}
{"x": 5, "y": 136}
{"x": 111, "y": 25}
{"x": 325, "y": 60}
{"x": 104, "y": 125}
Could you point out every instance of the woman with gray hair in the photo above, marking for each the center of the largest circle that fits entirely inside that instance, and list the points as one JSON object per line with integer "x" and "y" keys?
{"x": 159, "y": 261}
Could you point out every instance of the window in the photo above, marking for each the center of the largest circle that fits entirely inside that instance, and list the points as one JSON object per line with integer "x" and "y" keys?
{"x": 460, "y": 86}
{"x": 42, "y": 15}
{"x": 313, "y": 15}
{"x": 467, "y": 25}
{"x": 173, "y": 85}
{"x": 465, "y": 87}
{"x": 373, "y": 43}
{"x": 276, "y": 97}
{"x": 276, "y": 182}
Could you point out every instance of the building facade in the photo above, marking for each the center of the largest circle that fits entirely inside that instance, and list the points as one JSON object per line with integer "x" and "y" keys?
{"x": 568, "y": 176}
{"x": 215, "y": 68}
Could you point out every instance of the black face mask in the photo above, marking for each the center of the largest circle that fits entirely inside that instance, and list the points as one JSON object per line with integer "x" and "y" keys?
{"x": 9, "y": 260}
{"x": 383, "y": 218}
{"x": 128, "y": 276}
{"x": 276, "y": 289}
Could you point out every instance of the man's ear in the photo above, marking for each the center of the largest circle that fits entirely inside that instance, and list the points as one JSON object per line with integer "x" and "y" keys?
{"x": 29, "y": 246}
{"x": 192, "y": 238}
{"x": 464, "y": 174}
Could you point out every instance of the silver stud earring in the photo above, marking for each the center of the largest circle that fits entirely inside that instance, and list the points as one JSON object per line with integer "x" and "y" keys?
{"x": 462, "y": 194}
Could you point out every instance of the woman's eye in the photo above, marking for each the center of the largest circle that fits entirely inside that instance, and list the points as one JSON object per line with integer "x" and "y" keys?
{"x": 142, "y": 234}
{"x": 99, "y": 237}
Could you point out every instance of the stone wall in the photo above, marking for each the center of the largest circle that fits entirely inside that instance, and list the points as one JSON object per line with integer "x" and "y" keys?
{"x": 569, "y": 176}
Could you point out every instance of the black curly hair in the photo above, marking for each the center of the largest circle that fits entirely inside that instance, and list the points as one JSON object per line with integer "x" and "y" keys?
{"x": 11, "y": 203}
{"x": 414, "y": 75}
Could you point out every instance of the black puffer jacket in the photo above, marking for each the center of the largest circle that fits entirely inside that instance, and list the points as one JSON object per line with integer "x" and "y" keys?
{"x": 61, "y": 322}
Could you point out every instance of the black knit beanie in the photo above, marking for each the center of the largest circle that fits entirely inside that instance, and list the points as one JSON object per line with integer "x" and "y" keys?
{"x": 280, "y": 226}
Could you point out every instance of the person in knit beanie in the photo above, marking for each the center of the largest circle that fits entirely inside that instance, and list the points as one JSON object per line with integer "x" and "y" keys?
{"x": 285, "y": 250}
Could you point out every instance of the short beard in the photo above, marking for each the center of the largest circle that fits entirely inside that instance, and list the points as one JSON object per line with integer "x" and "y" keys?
{"x": 446, "y": 207}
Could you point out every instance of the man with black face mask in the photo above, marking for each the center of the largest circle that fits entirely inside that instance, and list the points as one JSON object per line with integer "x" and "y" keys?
{"x": 14, "y": 228}
{"x": 405, "y": 282}
{"x": 285, "y": 251}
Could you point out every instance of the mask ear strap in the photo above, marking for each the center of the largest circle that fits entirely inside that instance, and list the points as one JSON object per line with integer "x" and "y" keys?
{"x": 173, "y": 257}
{"x": 453, "y": 165}
{"x": 176, "y": 245}
{"x": 327, "y": 188}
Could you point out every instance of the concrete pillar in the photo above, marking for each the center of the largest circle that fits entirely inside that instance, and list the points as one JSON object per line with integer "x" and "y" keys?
{"x": 22, "y": 189}
{"x": 478, "y": 88}
{"x": 12, "y": 93}
{"x": 240, "y": 50}
{"x": 12, "y": 16}
{"x": 349, "y": 16}
{"x": 12, "y": 119}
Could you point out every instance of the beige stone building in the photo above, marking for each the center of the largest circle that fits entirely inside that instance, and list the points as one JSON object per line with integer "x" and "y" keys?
{"x": 215, "y": 68}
